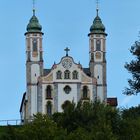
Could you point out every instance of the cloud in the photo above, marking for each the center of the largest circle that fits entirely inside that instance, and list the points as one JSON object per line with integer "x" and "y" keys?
{"x": 126, "y": 100}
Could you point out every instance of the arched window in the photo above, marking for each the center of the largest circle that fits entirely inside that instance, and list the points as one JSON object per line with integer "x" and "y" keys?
{"x": 59, "y": 75}
{"x": 85, "y": 92}
{"x": 67, "y": 74}
{"x": 49, "y": 108}
{"x": 75, "y": 75}
{"x": 98, "y": 45}
{"x": 48, "y": 92}
{"x": 34, "y": 45}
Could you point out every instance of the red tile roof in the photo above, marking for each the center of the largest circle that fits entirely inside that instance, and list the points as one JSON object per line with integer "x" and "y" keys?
{"x": 112, "y": 101}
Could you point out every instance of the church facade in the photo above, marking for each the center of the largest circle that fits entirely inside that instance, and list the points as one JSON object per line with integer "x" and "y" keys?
{"x": 47, "y": 90}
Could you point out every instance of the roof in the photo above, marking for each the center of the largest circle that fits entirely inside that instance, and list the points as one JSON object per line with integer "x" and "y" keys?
{"x": 22, "y": 102}
{"x": 87, "y": 71}
{"x": 46, "y": 72}
{"x": 112, "y": 101}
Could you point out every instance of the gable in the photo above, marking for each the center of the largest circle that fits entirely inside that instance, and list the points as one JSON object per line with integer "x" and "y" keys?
{"x": 66, "y": 71}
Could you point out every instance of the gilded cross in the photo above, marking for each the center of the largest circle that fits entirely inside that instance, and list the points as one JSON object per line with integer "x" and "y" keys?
{"x": 67, "y": 50}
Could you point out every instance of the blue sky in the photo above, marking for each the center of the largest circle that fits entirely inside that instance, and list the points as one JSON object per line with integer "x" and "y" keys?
{"x": 65, "y": 23}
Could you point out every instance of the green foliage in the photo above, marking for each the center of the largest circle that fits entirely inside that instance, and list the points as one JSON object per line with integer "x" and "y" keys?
{"x": 79, "y": 134}
{"x": 86, "y": 121}
{"x": 131, "y": 113}
{"x": 42, "y": 128}
{"x": 134, "y": 68}
{"x": 130, "y": 129}
{"x": 87, "y": 116}
{"x": 130, "y": 124}
{"x": 6, "y": 133}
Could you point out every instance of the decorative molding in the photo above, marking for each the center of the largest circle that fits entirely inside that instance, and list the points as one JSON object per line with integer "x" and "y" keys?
{"x": 48, "y": 78}
{"x": 85, "y": 79}
{"x": 31, "y": 84}
{"x": 104, "y": 85}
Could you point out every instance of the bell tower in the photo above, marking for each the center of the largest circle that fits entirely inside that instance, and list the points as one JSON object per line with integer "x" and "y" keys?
{"x": 34, "y": 63}
{"x": 97, "y": 56}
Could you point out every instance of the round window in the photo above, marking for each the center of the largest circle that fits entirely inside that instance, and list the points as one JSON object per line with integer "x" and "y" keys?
{"x": 67, "y": 89}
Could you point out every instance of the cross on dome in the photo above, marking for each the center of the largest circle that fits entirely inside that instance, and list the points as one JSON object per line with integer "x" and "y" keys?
{"x": 67, "y": 50}
{"x": 97, "y": 6}
{"x": 33, "y": 4}
{"x": 33, "y": 7}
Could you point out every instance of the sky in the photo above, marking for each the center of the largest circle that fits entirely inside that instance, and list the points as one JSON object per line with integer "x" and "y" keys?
{"x": 65, "y": 23}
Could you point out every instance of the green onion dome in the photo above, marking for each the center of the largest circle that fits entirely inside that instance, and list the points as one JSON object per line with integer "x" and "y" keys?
{"x": 97, "y": 27}
{"x": 34, "y": 25}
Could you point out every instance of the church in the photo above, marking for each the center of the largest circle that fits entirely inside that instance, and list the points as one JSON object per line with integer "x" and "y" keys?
{"x": 48, "y": 89}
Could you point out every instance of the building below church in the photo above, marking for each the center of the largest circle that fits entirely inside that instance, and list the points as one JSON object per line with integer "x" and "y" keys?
{"x": 47, "y": 90}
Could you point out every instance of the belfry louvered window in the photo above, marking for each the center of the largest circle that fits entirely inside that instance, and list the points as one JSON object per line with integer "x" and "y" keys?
{"x": 98, "y": 45}
{"x": 34, "y": 45}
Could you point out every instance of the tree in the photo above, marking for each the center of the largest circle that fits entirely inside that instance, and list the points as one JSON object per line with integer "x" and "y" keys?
{"x": 93, "y": 121}
{"x": 84, "y": 121}
{"x": 130, "y": 124}
{"x": 131, "y": 113}
{"x": 41, "y": 128}
{"x": 134, "y": 68}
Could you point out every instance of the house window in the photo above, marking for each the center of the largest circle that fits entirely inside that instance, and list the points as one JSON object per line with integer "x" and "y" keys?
{"x": 48, "y": 92}
{"x": 67, "y": 74}
{"x": 49, "y": 108}
{"x": 59, "y": 75}
{"x": 98, "y": 45}
{"x": 85, "y": 92}
{"x": 75, "y": 75}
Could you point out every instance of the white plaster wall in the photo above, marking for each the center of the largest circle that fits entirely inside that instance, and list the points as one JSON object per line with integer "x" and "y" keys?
{"x": 90, "y": 87}
{"x": 43, "y": 99}
{"x": 100, "y": 93}
{"x": 33, "y": 100}
{"x": 98, "y": 71}
{"x": 62, "y": 96}
{"x": 35, "y": 73}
